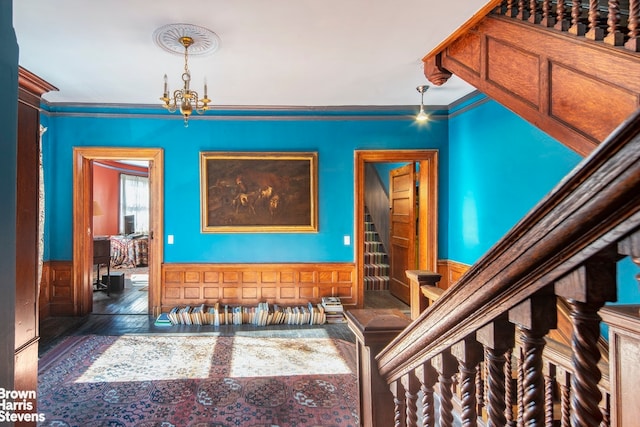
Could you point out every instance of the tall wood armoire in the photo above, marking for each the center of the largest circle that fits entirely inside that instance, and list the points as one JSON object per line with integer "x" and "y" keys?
{"x": 30, "y": 91}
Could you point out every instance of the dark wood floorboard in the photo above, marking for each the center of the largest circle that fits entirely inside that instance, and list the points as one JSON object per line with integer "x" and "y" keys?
{"x": 126, "y": 313}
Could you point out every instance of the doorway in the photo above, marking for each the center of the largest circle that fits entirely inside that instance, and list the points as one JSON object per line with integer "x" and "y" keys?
{"x": 121, "y": 223}
{"x": 427, "y": 224}
{"x": 83, "y": 267}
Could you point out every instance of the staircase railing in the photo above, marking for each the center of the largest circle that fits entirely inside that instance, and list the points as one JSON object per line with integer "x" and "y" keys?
{"x": 566, "y": 246}
{"x": 613, "y": 22}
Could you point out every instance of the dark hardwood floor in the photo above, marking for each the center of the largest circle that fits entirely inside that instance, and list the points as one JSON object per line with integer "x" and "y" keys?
{"x": 125, "y": 312}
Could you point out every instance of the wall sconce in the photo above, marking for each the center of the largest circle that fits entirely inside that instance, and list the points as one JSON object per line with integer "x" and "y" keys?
{"x": 422, "y": 116}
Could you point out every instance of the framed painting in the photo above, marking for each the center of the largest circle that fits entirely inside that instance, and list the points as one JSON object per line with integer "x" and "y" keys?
{"x": 258, "y": 192}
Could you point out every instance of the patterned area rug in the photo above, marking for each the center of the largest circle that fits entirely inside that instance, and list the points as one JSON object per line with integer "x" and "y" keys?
{"x": 198, "y": 381}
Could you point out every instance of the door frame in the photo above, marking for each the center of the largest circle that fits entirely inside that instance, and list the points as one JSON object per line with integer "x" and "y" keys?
{"x": 427, "y": 205}
{"x": 83, "y": 220}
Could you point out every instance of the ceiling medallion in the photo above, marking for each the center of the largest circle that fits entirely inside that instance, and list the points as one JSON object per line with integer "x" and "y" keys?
{"x": 205, "y": 41}
{"x": 185, "y": 39}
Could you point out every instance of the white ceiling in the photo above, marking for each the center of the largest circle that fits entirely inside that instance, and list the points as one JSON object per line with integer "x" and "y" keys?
{"x": 272, "y": 52}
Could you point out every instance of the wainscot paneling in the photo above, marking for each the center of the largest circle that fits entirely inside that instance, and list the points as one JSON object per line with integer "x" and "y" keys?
{"x": 451, "y": 272}
{"x": 60, "y": 288}
{"x": 248, "y": 284}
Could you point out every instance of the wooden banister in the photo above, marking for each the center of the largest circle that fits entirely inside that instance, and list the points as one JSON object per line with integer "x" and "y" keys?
{"x": 568, "y": 246}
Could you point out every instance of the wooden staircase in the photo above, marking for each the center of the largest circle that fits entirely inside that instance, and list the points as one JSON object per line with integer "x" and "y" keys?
{"x": 565, "y": 67}
{"x": 376, "y": 261}
{"x": 496, "y": 319}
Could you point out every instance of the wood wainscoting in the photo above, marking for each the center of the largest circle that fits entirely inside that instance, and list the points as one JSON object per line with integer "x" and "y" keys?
{"x": 56, "y": 290}
{"x": 248, "y": 284}
{"x": 451, "y": 272}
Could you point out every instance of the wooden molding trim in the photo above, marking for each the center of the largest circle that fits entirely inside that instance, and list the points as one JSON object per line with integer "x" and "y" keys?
{"x": 428, "y": 205}
{"x": 461, "y": 30}
{"x": 32, "y": 83}
{"x": 451, "y": 272}
{"x": 286, "y": 284}
{"x": 82, "y": 220}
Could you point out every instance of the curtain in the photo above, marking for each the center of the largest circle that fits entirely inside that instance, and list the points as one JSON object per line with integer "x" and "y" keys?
{"x": 40, "y": 211}
{"x": 134, "y": 200}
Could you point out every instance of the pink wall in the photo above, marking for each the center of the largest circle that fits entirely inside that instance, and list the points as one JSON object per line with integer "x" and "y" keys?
{"x": 106, "y": 193}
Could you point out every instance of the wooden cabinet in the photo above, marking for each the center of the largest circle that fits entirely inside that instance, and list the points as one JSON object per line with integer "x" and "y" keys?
{"x": 27, "y": 231}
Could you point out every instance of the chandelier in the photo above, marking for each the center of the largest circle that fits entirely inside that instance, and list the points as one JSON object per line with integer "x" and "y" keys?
{"x": 174, "y": 38}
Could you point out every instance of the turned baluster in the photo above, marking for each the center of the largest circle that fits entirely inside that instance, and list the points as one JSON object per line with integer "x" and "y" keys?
{"x": 614, "y": 35}
{"x": 469, "y": 353}
{"x": 445, "y": 365}
{"x": 562, "y": 23}
{"x": 534, "y": 16}
{"x": 587, "y": 288}
{"x": 633, "y": 43}
{"x": 577, "y": 28}
{"x": 497, "y": 338}
{"x": 535, "y": 317}
{"x": 549, "y": 384}
{"x": 606, "y": 411}
{"x": 398, "y": 402}
{"x": 595, "y": 32}
{"x": 547, "y": 19}
{"x": 520, "y": 385}
{"x": 563, "y": 378}
{"x": 523, "y": 12}
{"x": 411, "y": 386}
{"x": 480, "y": 388}
{"x": 511, "y": 10}
{"x": 508, "y": 388}
{"x": 427, "y": 377}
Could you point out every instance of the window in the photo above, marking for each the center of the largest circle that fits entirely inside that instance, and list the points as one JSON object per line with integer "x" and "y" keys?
{"x": 134, "y": 200}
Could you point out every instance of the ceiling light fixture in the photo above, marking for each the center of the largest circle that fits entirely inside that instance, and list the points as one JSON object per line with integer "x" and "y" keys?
{"x": 422, "y": 116}
{"x": 174, "y": 38}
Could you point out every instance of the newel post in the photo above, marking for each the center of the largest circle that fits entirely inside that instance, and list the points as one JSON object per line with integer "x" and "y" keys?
{"x": 374, "y": 329}
{"x": 418, "y": 278}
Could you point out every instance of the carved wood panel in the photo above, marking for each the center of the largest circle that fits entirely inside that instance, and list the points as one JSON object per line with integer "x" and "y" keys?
{"x": 287, "y": 284}
{"x": 61, "y": 289}
{"x": 575, "y": 90}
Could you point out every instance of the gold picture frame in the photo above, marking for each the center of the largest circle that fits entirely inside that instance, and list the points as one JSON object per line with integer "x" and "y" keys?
{"x": 258, "y": 192}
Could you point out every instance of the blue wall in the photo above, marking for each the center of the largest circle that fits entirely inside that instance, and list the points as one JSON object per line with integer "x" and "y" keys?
{"x": 494, "y": 167}
{"x": 500, "y": 166}
{"x": 333, "y": 138}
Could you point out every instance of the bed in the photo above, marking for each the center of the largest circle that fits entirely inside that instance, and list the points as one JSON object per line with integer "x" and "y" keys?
{"x": 129, "y": 251}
